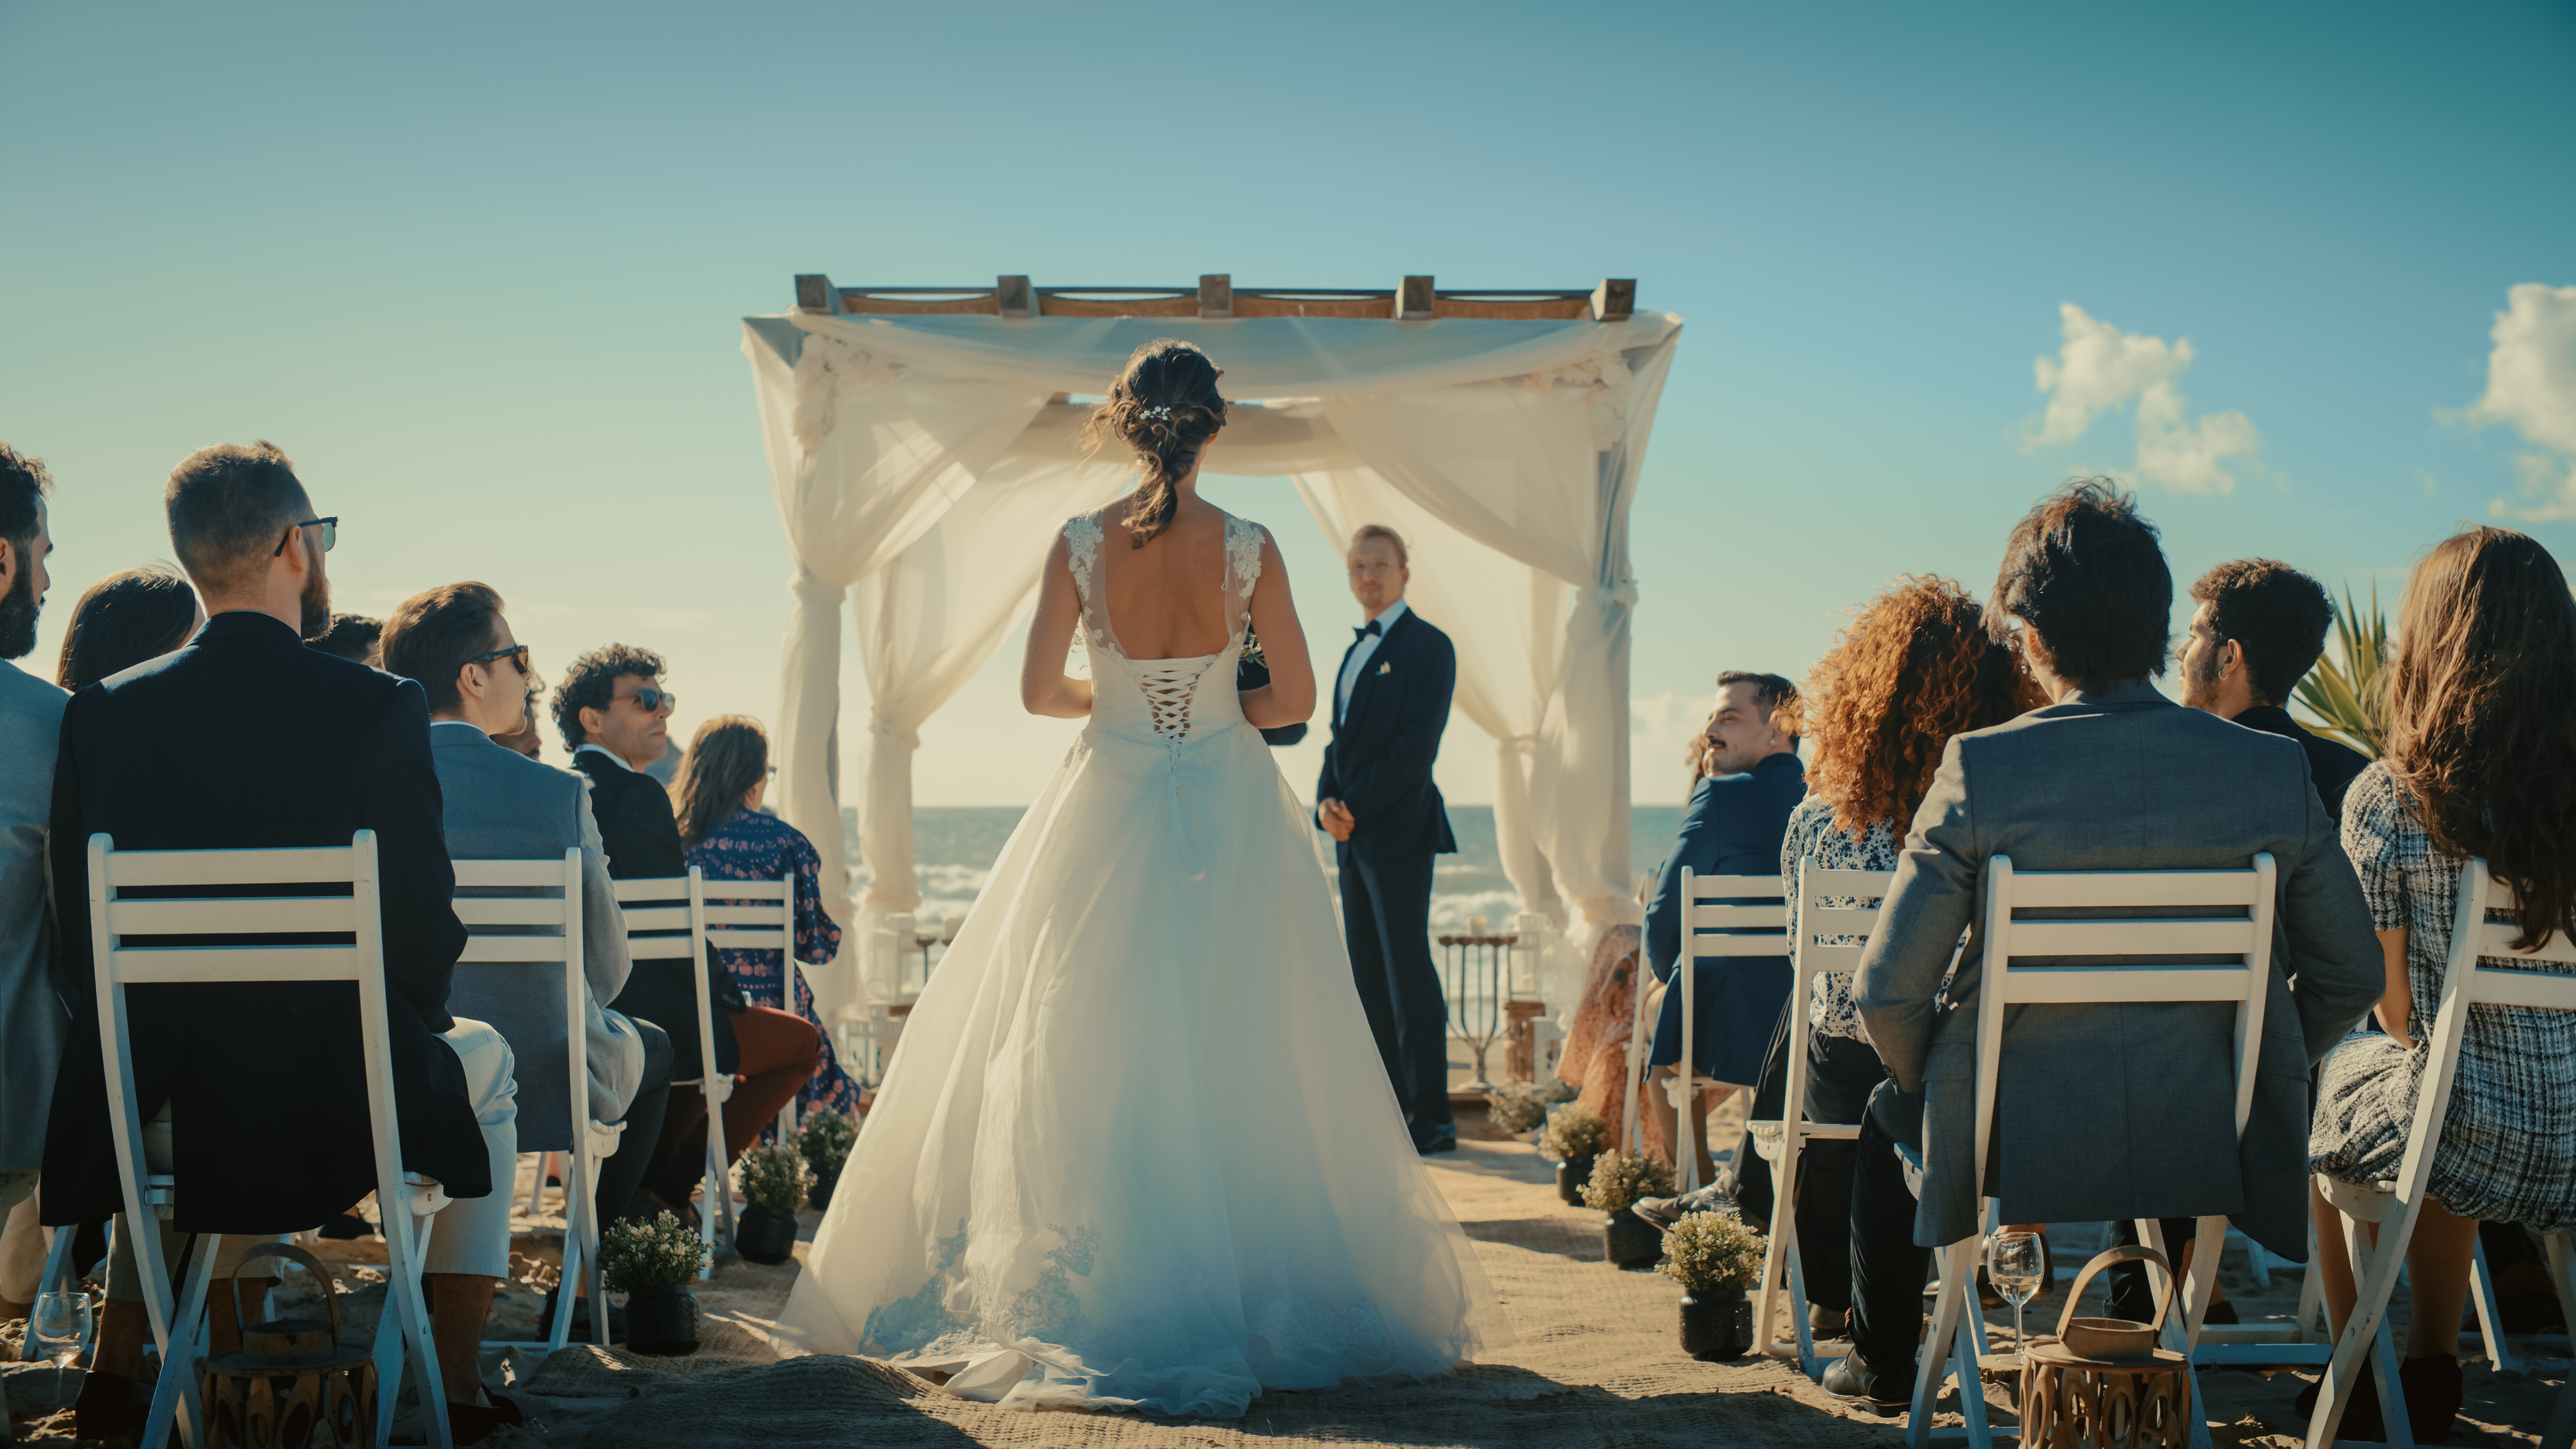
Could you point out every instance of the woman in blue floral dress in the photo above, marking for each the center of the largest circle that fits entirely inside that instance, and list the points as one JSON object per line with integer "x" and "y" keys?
{"x": 729, "y": 837}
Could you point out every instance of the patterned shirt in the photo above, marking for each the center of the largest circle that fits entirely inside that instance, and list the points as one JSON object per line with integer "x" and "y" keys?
{"x": 2506, "y": 1154}
{"x": 1813, "y": 835}
{"x": 749, "y": 845}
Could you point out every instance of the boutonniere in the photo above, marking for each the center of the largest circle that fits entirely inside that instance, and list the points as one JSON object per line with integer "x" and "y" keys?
{"x": 1386, "y": 669}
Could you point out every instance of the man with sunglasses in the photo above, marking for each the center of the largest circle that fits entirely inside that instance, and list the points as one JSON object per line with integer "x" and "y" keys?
{"x": 501, "y": 805}
{"x": 246, "y": 739}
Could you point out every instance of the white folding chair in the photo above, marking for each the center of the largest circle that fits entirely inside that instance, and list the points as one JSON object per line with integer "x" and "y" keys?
{"x": 193, "y": 896}
{"x": 1822, "y": 918}
{"x": 1754, "y": 930}
{"x": 2467, "y": 981}
{"x": 760, "y": 915}
{"x": 2201, "y": 913}
{"x": 504, "y": 959}
{"x": 666, "y": 920}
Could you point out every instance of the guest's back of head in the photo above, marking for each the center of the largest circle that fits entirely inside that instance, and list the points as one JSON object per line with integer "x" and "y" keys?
{"x": 727, "y": 757}
{"x": 433, "y": 634}
{"x": 2276, "y": 614}
{"x": 354, "y": 637}
{"x": 2085, "y": 572}
{"x": 229, "y": 505}
{"x": 2482, "y": 713}
{"x": 1913, "y": 668}
{"x": 124, "y": 619}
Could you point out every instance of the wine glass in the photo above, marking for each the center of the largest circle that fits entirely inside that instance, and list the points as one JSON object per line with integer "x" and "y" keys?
{"x": 58, "y": 1329}
{"x": 2013, "y": 1265}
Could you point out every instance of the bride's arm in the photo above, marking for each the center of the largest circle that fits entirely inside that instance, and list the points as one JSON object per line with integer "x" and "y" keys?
{"x": 1045, "y": 689}
{"x": 1289, "y": 697}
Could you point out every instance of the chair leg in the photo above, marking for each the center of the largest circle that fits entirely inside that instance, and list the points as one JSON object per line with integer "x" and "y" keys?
{"x": 2365, "y": 1330}
{"x": 174, "y": 1395}
{"x": 2490, "y": 1318}
{"x": 1932, "y": 1362}
{"x": 405, "y": 1331}
{"x": 1780, "y": 1253}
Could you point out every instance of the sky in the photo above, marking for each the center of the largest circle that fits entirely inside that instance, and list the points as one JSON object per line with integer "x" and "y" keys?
{"x": 2304, "y": 277}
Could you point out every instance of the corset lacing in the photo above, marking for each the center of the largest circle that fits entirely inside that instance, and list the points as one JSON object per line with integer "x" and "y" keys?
{"x": 1167, "y": 686}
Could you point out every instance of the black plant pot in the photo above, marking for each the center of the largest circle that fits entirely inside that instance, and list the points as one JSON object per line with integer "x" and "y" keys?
{"x": 1717, "y": 1325}
{"x": 820, "y": 1194}
{"x": 662, "y": 1320}
{"x": 1629, "y": 1241}
{"x": 764, "y": 1234}
{"x": 1571, "y": 1175}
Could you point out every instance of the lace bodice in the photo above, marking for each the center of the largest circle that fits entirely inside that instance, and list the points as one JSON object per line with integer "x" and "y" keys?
{"x": 1173, "y": 701}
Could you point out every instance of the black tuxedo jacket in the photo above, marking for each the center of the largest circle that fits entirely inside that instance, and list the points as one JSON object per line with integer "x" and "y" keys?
{"x": 1379, "y": 762}
{"x": 642, "y": 838}
{"x": 245, "y": 738}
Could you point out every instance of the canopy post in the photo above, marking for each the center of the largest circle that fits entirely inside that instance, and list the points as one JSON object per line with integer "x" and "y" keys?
{"x": 1013, "y": 298}
{"x": 815, "y": 293}
{"x": 1416, "y": 300}
{"x": 1614, "y": 300}
{"x": 1216, "y": 295}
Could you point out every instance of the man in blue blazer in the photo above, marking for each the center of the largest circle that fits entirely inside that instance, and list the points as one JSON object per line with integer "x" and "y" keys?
{"x": 1376, "y": 800}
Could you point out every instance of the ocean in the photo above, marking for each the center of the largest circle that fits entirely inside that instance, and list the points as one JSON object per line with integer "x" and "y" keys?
{"x": 955, "y": 846}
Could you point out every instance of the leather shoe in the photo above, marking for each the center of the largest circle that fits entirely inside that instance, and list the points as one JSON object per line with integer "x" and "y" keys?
{"x": 1849, "y": 1379}
{"x": 1437, "y": 1145}
{"x": 581, "y": 1318}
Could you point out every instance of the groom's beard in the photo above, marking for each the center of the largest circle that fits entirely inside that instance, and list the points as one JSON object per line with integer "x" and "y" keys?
{"x": 18, "y": 615}
{"x": 317, "y": 602}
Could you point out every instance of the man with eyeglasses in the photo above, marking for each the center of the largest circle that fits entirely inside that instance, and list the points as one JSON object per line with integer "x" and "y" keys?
{"x": 254, "y": 1095}
{"x": 500, "y": 805}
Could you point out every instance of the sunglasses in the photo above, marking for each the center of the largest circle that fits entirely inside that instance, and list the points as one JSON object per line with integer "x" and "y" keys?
{"x": 652, "y": 701}
{"x": 517, "y": 654}
{"x": 330, "y": 534}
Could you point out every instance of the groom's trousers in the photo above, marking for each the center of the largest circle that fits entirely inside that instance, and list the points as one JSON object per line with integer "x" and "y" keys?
{"x": 1386, "y": 916}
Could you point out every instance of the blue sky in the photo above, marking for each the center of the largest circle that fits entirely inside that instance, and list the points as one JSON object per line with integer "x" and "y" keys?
{"x": 479, "y": 268}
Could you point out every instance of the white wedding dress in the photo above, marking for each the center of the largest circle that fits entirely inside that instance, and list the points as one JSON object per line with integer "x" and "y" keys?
{"x": 1137, "y": 1149}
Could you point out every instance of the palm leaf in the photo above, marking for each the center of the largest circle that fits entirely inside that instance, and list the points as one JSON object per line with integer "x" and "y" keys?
{"x": 2347, "y": 698}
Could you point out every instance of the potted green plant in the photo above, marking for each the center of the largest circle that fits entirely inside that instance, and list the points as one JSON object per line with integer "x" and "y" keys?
{"x": 825, "y": 1138}
{"x": 1520, "y": 1107}
{"x": 1618, "y": 1180}
{"x": 653, "y": 1262}
{"x": 1574, "y": 1136}
{"x": 1715, "y": 1257}
{"x": 773, "y": 1183}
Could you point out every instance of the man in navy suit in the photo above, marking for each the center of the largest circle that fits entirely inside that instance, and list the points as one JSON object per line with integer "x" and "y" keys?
{"x": 1377, "y": 801}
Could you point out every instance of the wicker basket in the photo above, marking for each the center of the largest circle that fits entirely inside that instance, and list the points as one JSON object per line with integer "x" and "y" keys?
{"x": 292, "y": 1386}
{"x": 2104, "y": 1384}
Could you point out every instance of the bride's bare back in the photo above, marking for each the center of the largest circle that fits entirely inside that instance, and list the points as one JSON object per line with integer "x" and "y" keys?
{"x": 1166, "y": 599}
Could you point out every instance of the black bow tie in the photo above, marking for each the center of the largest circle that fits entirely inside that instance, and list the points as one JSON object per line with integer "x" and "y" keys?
{"x": 1358, "y": 634}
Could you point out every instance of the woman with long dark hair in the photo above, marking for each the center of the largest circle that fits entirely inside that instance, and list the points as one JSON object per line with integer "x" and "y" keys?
{"x": 2480, "y": 762}
{"x": 124, "y": 619}
{"x": 717, "y": 795}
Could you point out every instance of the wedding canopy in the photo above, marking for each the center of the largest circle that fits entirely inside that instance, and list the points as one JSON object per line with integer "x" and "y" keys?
{"x": 923, "y": 452}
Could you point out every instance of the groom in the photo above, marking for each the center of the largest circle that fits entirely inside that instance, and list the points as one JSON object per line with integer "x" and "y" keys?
{"x": 1377, "y": 801}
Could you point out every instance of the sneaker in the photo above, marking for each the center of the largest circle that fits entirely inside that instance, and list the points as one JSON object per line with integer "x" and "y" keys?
{"x": 1663, "y": 1212}
{"x": 1849, "y": 1379}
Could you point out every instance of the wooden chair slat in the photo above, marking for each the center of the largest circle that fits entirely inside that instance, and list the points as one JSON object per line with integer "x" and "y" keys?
{"x": 2042, "y": 985}
{"x": 2133, "y": 888}
{"x": 747, "y": 915}
{"x": 2495, "y": 986}
{"x": 232, "y": 915}
{"x": 1821, "y": 921}
{"x": 227, "y": 867}
{"x": 153, "y": 965}
{"x": 661, "y": 948}
{"x": 509, "y": 911}
{"x": 2132, "y": 938}
{"x": 1831, "y": 960}
{"x": 1819, "y": 882}
{"x": 738, "y": 938}
{"x": 508, "y": 873}
{"x": 746, "y": 890}
{"x": 514, "y": 949}
{"x": 1735, "y": 887}
{"x": 2500, "y": 938}
{"x": 1739, "y": 918}
{"x": 656, "y": 918}
{"x": 664, "y": 888}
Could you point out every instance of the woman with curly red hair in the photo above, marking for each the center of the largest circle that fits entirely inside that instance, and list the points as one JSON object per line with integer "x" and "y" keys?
{"x": 1914, "y": 667}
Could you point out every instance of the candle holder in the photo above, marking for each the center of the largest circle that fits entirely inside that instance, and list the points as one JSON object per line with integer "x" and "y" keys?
{"x": 1473, "y": 968}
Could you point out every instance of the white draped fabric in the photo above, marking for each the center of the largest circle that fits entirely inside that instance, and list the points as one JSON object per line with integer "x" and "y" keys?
{"x": 920, "y": 463}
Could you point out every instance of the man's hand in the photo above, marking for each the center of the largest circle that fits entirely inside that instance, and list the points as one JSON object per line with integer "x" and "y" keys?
{"x": 1336, "y": 819}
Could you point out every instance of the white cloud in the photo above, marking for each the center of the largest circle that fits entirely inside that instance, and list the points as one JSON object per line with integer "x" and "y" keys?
{"x": 2100, "y": 368}
{"x": 2531, "y": 386}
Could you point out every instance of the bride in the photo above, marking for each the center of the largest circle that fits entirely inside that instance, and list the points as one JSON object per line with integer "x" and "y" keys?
{"x": 1138, "y": 1149}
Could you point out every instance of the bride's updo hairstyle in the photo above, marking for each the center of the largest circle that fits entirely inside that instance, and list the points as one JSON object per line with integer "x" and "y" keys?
{"x": 1165, "y": 407}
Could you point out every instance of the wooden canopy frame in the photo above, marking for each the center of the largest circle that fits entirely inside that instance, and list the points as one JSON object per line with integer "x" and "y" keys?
{"x": 1415, "y": 299}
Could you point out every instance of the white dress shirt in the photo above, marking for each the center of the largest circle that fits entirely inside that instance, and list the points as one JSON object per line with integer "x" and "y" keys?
{"x": 1360, "y": 655}
{"x": 592, "y": 748}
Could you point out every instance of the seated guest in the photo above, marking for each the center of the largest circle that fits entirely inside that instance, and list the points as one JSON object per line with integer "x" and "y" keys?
{"x": 2261, "y": 626}
{"x": 613, "y": 714}
{"x": 1914, "y": 668}
{"x": 354, "y": 637}
{"x": 500, "y": 805}
{"x": 246, "y": 739}
{"x": 125, "y": 619}
{"x": 2110, "y": 776}
{"x": 32, "y": 1024}
{"x": 2481, "y": 762}
{"x": 729, "y": 837}
{"x": 1733, "y": 827}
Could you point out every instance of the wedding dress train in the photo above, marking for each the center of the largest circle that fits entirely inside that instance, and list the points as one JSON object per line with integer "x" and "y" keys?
{"x": 1137, "y": 1148}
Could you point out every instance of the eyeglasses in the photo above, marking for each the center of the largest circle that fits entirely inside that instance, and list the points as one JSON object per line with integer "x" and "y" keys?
{"x": 330, "y": 534}
{"x": 517, "y": 654}
{"x": 653, "y": 701}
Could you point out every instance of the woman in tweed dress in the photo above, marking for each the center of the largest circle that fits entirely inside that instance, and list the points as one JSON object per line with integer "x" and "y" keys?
{"x": 1914, "y": 667}
{"x": 2481, "y": 761}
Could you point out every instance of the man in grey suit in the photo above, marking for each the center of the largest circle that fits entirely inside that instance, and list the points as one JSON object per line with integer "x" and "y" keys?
{"x": 500, "y": 805}
{"x": 2113, "y": 1111}
{"x": 32, "y": 1021}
